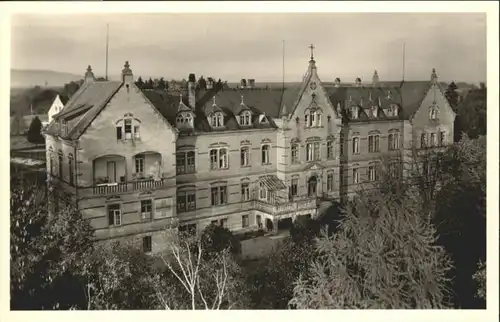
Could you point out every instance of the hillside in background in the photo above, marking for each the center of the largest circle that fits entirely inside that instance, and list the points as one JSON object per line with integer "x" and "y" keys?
{"x": 30, "y": 78}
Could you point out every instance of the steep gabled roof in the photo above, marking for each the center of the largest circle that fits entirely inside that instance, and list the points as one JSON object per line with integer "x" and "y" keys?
{"x": 83, "y": 107}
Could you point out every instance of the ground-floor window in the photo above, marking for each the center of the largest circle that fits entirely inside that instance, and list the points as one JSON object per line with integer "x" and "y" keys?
{"x": 147, "y": 244}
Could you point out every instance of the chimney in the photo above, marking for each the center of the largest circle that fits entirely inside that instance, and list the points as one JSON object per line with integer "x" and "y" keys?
{"x": 434, "y": 76}
{"x": 375, "y": 78}
{"x": 243, "y": 83}
{"x": 89, "y": 75}
{"x": 210, "y": 83}
{"x": 191, "y": 90}
{"x": 127, "y": 75}
{"x": 358, "y": 82}
{"x": 337, "y": 82}
{"x": 251, "y": 83}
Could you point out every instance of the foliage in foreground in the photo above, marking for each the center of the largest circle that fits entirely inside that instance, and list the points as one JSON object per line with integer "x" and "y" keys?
{"x": 384, "y": 256}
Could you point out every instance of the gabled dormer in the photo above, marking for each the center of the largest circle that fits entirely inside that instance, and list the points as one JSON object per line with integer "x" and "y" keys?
{"x": 244, "y": 116}
{"x": 185, "y": 116}
{"x": 392, "y": 110}
{"x": 216, "y": 116}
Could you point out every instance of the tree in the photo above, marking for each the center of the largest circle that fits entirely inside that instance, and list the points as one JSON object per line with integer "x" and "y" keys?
{"x": 161, "y": 84}
{"x": 150, "y": 84}
{"x": 216, "y": 239}
{"x": 120, "y": 276}
{"x": 46, "y": 250}
{"x": 71, "y": 88}
{"x": 451, "y": 95}
{"x": 471, "y": 118}
{"x": 35, "y": 132}
{"x": 270, "y": 280}
{"x": 202, "y": 283}
{"x": 202, "y": 83}
{"x": 384, "y": 256}
{"x": 460, "y": 215}
{"x": 139, "y": 83}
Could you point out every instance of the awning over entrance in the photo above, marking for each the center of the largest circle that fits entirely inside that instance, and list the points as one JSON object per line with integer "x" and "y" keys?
{"x": 272, "y": 183}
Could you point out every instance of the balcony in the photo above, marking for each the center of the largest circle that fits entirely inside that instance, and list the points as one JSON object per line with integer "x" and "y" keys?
{"x": 280, "y": 207}
{"x": 103, "y": 189}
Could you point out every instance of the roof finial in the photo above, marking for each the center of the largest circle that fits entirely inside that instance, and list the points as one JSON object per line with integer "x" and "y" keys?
{"x": 242, "y": 100}
{"x": 370, "y": 96}
{"x": 213, "y": 104}
{"x": 127, "y": 65}
{"x": 434, "y": 75}
{"x": 312, "y": 51}
{"x": 180, "y": 97}
{"x": 89, "y": 69}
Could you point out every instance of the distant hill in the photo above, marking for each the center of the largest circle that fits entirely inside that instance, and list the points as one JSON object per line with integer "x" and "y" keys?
{"x": 30, "y": 78}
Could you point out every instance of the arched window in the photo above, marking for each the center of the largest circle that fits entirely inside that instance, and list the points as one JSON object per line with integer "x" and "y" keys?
{"x": 217, "y": 120}
{"x": 265, "y": 154}
{"x": 312, "y": 186}
{"x": 313, "y": 118}
{"x": 355, "y": 145}
{"x": 71, "y": 169}
{"x": 295, "y": 153}
{"x": 245, "y": 156}
{"x": 128, "y": 128}
{"x": 244, "y": 119}
{"x": 433, "y": 113}
{"x": 218, "y": 159}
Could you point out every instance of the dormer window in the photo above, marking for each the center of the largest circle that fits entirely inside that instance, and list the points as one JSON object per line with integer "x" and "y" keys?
{"x": 184, "y": 119}
{"x": 354, "y": 112}
{"x": 245, "y": 118}
{"x": 392, "y": 110}
{"x": 374, "y": 111}
{"x": 217, "y": 120}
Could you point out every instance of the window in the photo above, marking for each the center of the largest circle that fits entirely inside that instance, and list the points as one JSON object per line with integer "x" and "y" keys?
{"x": 433, "y": 112}
{"x": 71, "y": 171}
{"x": 114, "y": 215}
{"x": 190, "y": 229}
{"x": 329, "y": 182}
{"x": 60, "y": 166}
{"x": 244, "y": 155}
{"x": 245, "y": 118}
{"x": 354, "y": 112}
{"x": 128, "y": 129}
{"x": 442, "y": 138}
{"x": 295, "y": 153}
{"x": 373, "y": 143}
{"x": 393, "y": 169}
{"x": 341, "y": 144}
{"x": 433, "y": 139}
{"x": 223, "y": 223}
{"x": 393, "y": 141}
{"x": 244, "y": 221}
{"x": 265, "y": 154}
{"x": 372, "y": 173}
{"x": 294, "y": 187}
{"x": 217, "y": 120}
{"x": 219, "y": 195}
{"x": 263, "y": 193}
{"x": 64, "y": 127}
{"x": 329, "y": 150}
{"x": 355, "y": 175}
{"x": 139, "y": 164}
{"x": 312, "y": 185}
{"x": 186, "y": 201}
{"x": 185, "y": 162}
{"x": 184, "y": 118}
{"x": 423, "y": 140}
{"x": 146, "y": 209}
{"x": 355, "y": 145}
{"x": 118, "y": 132}
{"x": 312, "y": 151}
{"x": 313, "y": 118}
{"x": 147, "y": 244}
{"x": 218, "y": 159}
{"x": 245, "y": 192}
{"x": 137, "y": 134}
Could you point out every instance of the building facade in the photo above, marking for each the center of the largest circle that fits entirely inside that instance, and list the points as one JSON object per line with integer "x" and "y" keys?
{"x": 139, "y": 162}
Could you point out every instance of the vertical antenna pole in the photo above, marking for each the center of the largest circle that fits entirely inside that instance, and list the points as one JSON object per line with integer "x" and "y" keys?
{"x": 107, "y": 42}
{"x": 404, "y": 54}
{"x": 283, "y": 70}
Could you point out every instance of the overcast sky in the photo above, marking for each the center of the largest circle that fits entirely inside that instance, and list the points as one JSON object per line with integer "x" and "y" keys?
{"x": 235, "y": 46}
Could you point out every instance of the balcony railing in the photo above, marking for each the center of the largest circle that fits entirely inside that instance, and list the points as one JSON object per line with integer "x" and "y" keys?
{"x": 122, "y": 187}
{"x": 297, "y": 204}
